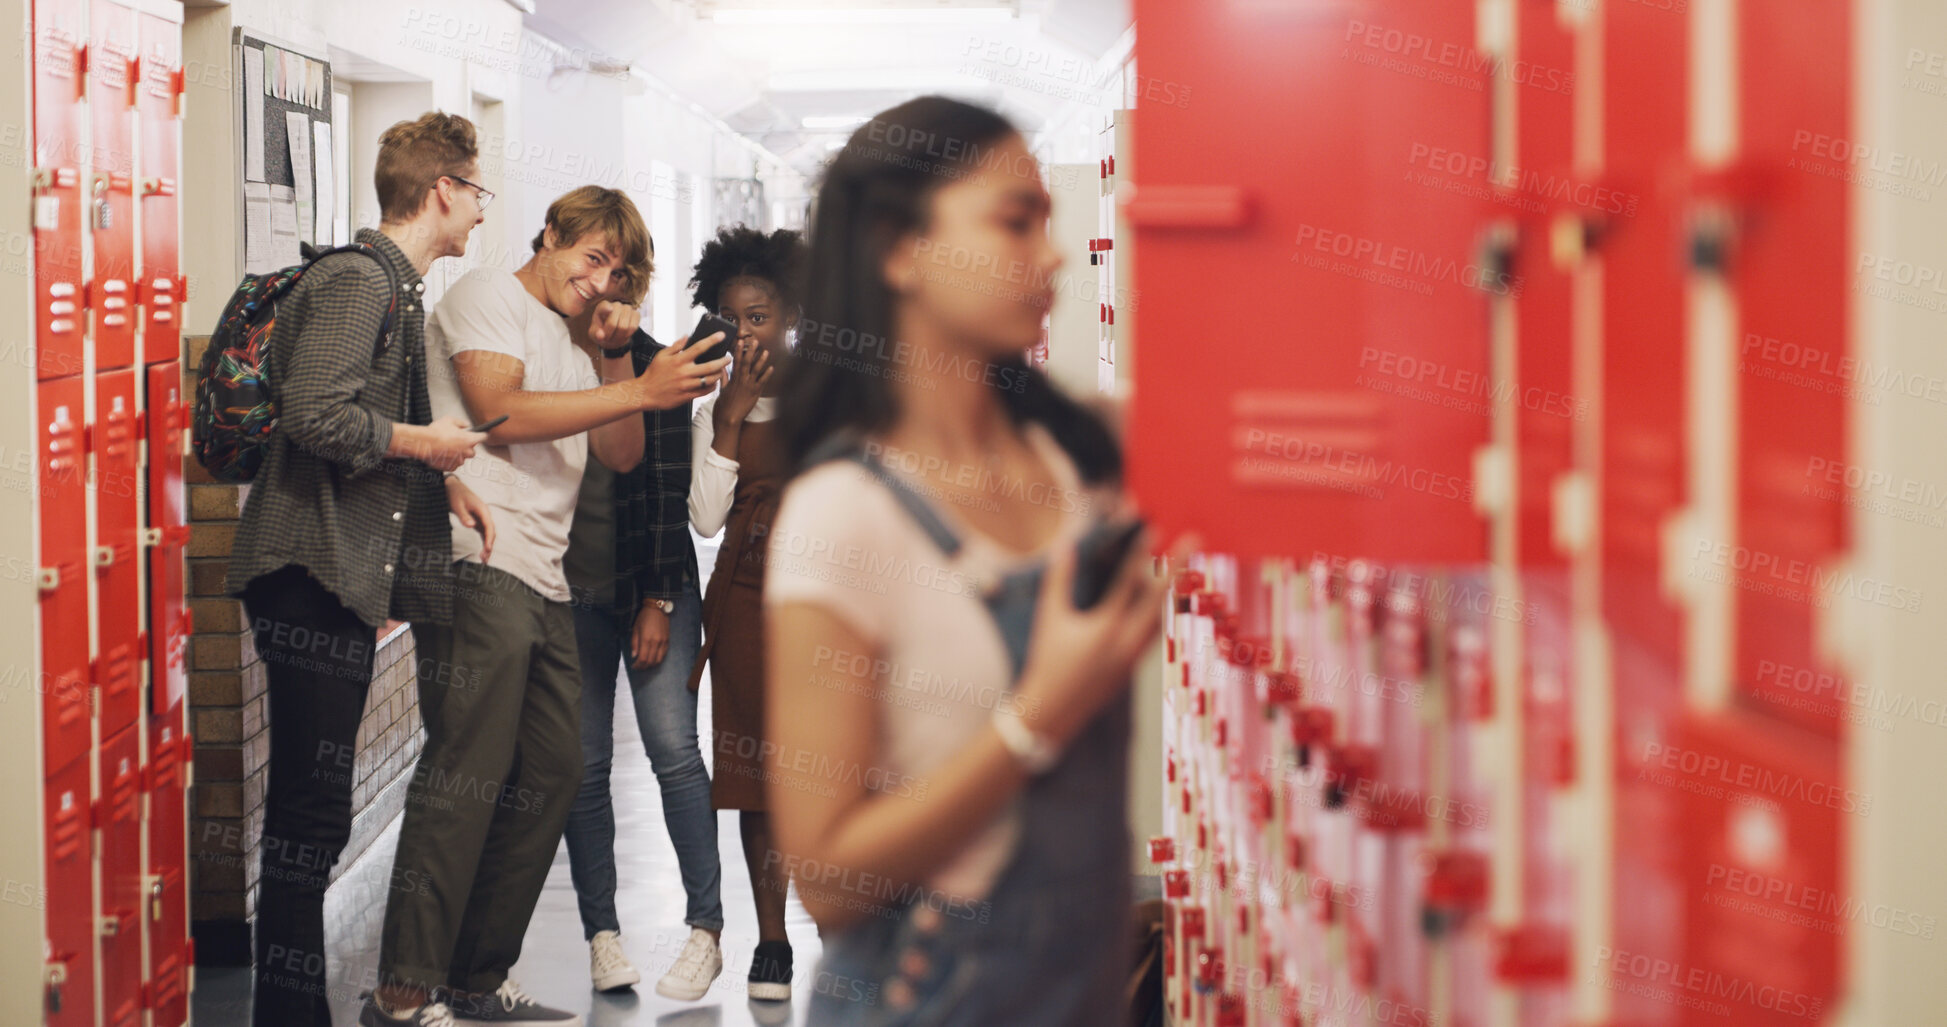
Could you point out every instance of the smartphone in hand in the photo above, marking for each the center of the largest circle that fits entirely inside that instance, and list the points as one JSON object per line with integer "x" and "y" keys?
{"x": 488, "y": 425}
{"x": 1099, "y": 556}
{"x": 708, "y": 325}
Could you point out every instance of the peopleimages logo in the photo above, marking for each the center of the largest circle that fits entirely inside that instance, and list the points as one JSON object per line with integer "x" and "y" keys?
{"x": 1707, "y": 983}
{"x": 1753, "y": 779}
{"x": 1416, "y": 264}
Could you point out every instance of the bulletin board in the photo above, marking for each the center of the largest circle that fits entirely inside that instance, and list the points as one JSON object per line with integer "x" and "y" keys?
{"x": 286, "y": 197}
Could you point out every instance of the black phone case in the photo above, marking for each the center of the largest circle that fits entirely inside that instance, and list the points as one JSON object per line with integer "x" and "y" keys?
{"x": 1098, "y": 556}
{"x": 708, "y": 325}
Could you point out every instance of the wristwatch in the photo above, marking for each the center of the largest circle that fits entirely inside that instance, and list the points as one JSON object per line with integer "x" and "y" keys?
{"x": 1037, "y": 752}
{"x": 664, "y": 605}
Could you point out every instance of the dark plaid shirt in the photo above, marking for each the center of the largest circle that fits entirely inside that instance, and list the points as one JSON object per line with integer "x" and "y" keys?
{"x": 372, "y": 530}
{"x": 654, "y": 557}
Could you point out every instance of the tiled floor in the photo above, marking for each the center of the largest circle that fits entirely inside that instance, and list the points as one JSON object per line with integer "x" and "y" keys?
{"x": 554, "y": 960}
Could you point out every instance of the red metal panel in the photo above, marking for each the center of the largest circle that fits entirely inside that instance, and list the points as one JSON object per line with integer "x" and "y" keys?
{"x": 60, "y": 147}
{"x": 167, "y": 916}
{"x": 168, "y": 617}
{"x": 1534, "y": 195}
{"x": 66, "y": 703}
{"x": 1765, "y": 813}
{"x": 159, "y": 103}
{"x": 118, "y": 550}
{"x": 69, "y": 899}
{"x": 1645, "y": 114}
{"x": 109, "y": 204}
{"x": 1789, "y": 270}
{"x": 1293, "y": 286}
{"x": 118, "y": 816}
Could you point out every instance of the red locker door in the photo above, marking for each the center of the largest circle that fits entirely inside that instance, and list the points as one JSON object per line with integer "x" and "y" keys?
{"x": 60, "y": 146}
{"x": 1539, "y": 196}
{"x": 167, "y": 915}
{"x": 1645, "y": 122}
{"x": 169, "y": 625}
{"x": 1308, "y": 310}
{"x": 118, "y": 816}
{"x": 1765, "y": 814}
{"x": 64, "y": 575}
{"x": 70, "y": 998}
{"x": 159, "y": 107}
{"x": 1790, "y": 273}
{"x": 117, "y": 553}
{"x": 111, "y": 187}
{"x": 1645, "y": 119}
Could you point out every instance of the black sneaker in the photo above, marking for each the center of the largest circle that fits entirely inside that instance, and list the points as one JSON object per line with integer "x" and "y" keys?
{"x": 508, "y": 1007}
{"x": 432, "y": 1014}
{"x": 770, "y": 971}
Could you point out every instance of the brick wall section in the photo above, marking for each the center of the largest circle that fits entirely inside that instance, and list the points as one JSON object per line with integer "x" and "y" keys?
{"x": 229, "y": 713}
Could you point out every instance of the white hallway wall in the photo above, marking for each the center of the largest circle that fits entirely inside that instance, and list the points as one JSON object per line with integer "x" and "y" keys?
{"x": 560, "y": 129}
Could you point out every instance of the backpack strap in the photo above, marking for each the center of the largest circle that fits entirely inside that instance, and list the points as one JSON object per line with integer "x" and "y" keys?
{"x": 847, "y": 446}
{"x": 392, "y": 283}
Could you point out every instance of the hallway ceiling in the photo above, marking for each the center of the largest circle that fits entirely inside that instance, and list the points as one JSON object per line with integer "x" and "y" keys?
{"x": 796, "y": 76}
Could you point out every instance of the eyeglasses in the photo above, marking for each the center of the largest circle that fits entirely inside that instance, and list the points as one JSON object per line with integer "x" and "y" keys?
{"x": 486, "y": 198}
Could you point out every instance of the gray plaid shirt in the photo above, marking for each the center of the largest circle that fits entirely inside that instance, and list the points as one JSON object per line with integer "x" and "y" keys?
{"x": 372, "y": 530}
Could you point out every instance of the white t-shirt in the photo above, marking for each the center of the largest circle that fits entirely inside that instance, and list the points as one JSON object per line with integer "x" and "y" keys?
{"x": 843, "y": 541}
{"x": 531, "y": 486}
{"x": 713, "y": 476}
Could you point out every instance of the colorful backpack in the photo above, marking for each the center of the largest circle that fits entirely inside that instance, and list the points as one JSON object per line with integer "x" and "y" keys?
{"x": 236, "y": 406}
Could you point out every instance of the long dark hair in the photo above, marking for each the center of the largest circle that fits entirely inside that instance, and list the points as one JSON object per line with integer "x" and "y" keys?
{"x": 878, "y": 188}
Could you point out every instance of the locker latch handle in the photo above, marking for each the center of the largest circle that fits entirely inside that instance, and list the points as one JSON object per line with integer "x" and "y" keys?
{"x": 151, "y": 537}
{"x": 155, "y": 900}
{"x": 50, "y": 578}
{"x": 104, "y": 556}
{"x": 57, "y": 975}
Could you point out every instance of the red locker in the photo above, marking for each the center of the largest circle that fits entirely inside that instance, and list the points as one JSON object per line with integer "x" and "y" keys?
{"x": 159, "y": 289}
{"x": 1765, "y": 813}
{"x": 60, "y": 147}
{"x": 1791, "y": 258}
{"x": 1282, "y": 188}
{"x": 66, "y": 702}
{"x": 169, "y": 626}
{"x": 111, "y": 187}
{"x": 118, "y": 550}
{"x": 70, "y": 984}
{"x": 1540, "y": 196}
{"x": 118, "y": 816}
{"x": 167, "y": 916}
{"x": 1646, "y": 106}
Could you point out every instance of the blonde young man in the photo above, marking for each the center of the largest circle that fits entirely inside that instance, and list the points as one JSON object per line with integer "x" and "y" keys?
{"x": 345, "y": 526}
{"x": 502, "y": 761}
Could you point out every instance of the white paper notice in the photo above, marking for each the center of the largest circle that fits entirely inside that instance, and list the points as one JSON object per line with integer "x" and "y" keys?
{"x": 299, "y": 125}
{"x": 253, "y": 114}
{"x": 327, "y": 182}
{"x": 283, "y": 227}
{"x": 256, "y": 229}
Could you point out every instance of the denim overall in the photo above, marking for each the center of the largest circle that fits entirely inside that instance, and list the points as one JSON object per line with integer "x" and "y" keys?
{"x": 1049, "y": 946}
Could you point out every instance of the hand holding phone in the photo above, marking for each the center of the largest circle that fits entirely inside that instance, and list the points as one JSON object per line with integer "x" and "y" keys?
{"x": 1099, "y": 556}
{"x": 488, "y": 425}
{"x": 708, "y": 325}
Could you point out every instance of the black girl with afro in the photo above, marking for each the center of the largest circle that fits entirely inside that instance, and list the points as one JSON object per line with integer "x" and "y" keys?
{"x": 737, "y": 473}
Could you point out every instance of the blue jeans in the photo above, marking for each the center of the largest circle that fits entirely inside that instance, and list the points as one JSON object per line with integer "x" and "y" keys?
{"x": 665, "y": 713}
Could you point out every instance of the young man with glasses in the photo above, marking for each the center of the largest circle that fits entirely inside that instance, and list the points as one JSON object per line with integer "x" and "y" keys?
{"x": 345, "y": 526}
{"x": 502, "y": 760}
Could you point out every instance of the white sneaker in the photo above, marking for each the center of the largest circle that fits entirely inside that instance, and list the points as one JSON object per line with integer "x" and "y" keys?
{"x": 608, "y": 965}
{"x": 699, "y": 963}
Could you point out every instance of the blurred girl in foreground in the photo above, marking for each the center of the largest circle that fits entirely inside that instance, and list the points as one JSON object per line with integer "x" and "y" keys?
{"x": 950, "y": 732}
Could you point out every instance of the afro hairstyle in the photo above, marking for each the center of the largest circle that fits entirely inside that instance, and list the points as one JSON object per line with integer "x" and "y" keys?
{"x": 739, "y": 251}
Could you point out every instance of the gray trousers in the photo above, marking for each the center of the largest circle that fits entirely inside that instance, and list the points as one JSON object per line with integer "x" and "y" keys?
{"x": 500, "y": 694}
